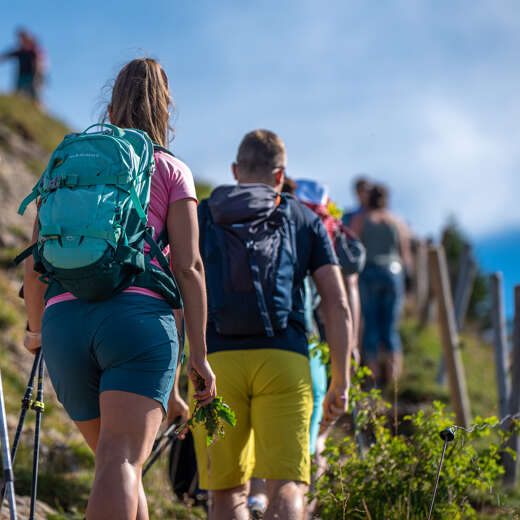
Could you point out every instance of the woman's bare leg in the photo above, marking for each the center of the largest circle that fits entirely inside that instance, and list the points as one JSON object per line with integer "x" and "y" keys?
{"x": 128, "y": 426}
{"x": 90, "y": 432}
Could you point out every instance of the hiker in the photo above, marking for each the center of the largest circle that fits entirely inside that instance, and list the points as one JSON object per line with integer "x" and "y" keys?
{"x": 113, "y": 362}
{"x": 361, "y": 188}
{"x": 31, "y": 65}
{"x": 258, "y": 245}
{"x": 381, "y": 284}
{"x": 351, "y": 255}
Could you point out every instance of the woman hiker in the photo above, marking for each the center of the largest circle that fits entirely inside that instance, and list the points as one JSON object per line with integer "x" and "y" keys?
{"x": 113, "y": 362}
{"x": 381, "y": 284}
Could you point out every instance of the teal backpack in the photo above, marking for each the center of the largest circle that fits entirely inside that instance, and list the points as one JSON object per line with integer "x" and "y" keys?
{"x": 94, "y": 197}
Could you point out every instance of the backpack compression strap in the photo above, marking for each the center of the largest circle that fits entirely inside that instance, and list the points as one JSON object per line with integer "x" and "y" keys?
{"x": 260, "y": 298}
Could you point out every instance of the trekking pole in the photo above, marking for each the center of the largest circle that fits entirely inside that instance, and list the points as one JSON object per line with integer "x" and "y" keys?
{"x": 38, "y": 406}
{"x": 159, "y": 446}
{"x": 359, "y": 434}
{"x": 26, "y": 404}
{"x": 6, "y": 455}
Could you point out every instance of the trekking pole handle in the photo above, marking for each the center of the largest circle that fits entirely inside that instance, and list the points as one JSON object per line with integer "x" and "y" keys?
{"x": 115, "y": 130}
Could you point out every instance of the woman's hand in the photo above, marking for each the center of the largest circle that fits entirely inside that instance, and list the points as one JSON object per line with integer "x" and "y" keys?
{"x": 32, "y": 341}
{"x": 334, "y": 405}
{"x": 203, "y": 380}
{"x": 177, "y": 410}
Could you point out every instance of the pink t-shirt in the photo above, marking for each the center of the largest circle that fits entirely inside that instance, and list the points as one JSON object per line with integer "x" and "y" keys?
{"x": 171, "y": 181}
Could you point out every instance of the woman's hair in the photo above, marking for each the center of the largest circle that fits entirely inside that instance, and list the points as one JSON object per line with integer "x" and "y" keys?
{"x": 141, "y": 99}
{"x": 377, "y": 197}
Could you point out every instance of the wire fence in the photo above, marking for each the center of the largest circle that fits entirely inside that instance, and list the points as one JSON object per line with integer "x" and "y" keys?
{"x": 449, "y": 435}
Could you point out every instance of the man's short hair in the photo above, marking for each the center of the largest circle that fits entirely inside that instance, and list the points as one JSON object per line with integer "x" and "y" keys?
{"x": 259, "y": 153}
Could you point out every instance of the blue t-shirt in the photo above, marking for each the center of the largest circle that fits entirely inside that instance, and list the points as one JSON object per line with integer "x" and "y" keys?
{"x": 314, "y": 250}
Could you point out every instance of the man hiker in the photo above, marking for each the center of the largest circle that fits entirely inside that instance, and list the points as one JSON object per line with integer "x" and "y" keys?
{"x": 30, "y": 65}
{"x": 257, "y": 246}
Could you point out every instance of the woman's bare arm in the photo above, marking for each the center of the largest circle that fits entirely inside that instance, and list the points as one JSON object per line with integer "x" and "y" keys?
{"x": 351, "y": 286}
{"x": 183, "y": 234}
{"x": 34, "y": 291}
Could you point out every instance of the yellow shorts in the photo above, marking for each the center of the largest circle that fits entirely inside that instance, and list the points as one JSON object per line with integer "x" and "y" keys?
{"x": 270, "y": 392}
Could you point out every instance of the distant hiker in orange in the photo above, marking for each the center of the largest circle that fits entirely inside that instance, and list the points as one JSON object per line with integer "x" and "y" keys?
{"x": 31, "y": 65}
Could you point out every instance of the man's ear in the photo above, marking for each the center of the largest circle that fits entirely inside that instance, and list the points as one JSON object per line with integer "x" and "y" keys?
{"x": 279, "y": 176}
{"x": 234, "y": 170}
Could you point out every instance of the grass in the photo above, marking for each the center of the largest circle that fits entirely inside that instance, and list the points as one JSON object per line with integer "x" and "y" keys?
{"x": 7, "y": 255}
{"x": 10, "y": 310}
{"x": 23, "y": 117}
{"x": 18, "y": 232}
{"x": 203, "y": 190}
{"x": 422, "y": 349}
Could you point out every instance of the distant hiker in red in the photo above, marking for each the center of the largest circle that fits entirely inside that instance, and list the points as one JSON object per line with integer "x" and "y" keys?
{"x": 31, "y": 65}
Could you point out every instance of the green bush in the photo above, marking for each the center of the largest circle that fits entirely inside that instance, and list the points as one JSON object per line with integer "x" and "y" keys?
{"x": 395, "y": 476}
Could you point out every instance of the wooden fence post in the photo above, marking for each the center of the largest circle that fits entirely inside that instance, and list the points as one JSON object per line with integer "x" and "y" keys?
{"x": 450, "y": 339}
{"x": 421, "y": 279}
{"x": 465, "y": 279}
{"x": 510, "y": 465}
{"x": 464, "y": 286}
{"x": 500, "y": 341}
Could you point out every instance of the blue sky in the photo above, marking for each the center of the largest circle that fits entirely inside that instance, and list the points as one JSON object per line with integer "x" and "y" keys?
{"x": 422, "y": 95}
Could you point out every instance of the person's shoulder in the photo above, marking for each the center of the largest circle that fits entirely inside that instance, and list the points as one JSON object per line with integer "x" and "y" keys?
{"x": 301, "y": 214}
{"x": 168, "y": 159}
{"x": 171, "y": 166}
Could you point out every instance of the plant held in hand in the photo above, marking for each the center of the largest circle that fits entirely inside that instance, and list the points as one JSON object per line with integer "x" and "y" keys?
{"x": 212, "y": 415}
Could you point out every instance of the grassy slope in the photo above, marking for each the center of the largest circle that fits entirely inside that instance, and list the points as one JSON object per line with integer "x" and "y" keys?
{"x": 23, "y": 118}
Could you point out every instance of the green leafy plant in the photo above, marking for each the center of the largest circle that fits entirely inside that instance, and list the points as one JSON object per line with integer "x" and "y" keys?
{"x": 394, "y": 477}
{"x": 320, "y": 349}
{"x": 212, "y": 416}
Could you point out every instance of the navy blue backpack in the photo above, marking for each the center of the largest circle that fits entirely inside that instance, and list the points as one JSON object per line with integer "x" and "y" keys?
{"x": 248, "y": 245}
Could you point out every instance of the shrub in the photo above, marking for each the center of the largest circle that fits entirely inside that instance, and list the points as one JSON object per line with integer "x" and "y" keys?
{"x": 395, "y": 476}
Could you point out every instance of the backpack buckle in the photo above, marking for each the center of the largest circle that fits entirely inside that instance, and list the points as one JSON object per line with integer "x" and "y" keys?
{"x": 54, "y": 183}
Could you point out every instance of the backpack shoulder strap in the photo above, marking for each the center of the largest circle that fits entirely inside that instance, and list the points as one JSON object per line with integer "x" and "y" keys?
{"x": 159, "y": 148}
{"x": 286, "y": 207}
{"x": 155, "y": 252}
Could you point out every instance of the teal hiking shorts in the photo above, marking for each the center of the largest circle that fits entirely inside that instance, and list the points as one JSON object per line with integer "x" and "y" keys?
{"x": 126, "y": 343}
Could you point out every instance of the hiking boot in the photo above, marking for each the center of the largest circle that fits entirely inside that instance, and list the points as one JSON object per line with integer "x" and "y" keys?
{"x": 257, "y": 507}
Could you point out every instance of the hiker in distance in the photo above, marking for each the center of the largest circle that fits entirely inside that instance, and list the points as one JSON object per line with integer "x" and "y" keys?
{"x": 258, "y": 245}
{"x": 381, "y": 284}
{"x": 112, "y": 356}
{"x": 31, "y": 65}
